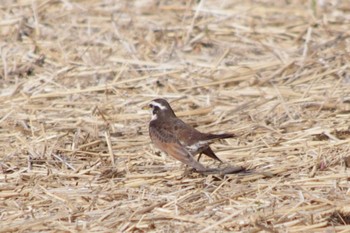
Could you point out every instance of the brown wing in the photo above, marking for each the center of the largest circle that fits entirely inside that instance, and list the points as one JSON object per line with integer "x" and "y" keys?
{"x": 186, "y": 133}
{"x": 167, "y": 142}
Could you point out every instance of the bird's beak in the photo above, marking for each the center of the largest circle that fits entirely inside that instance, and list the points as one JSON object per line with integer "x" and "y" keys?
{"x": 146, "y": 107}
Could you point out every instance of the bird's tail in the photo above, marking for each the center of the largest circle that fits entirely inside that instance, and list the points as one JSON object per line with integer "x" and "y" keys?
{"x": 220, "y": 136}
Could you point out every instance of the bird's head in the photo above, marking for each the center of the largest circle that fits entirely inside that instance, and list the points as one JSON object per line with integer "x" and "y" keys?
{"x": 161, "y": 109}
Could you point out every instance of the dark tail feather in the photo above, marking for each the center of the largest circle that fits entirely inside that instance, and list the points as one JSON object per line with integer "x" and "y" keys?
{"x": 220, "y": 136}
{"x": 209, "y": 152}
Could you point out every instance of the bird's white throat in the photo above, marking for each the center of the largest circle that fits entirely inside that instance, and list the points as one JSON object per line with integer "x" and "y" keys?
{"x": 154, "y": 117}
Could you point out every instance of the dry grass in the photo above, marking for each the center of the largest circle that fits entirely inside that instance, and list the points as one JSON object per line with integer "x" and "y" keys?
{"x": 75, "y": 152}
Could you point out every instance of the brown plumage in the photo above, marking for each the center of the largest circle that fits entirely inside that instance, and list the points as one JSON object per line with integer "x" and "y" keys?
{"x": 181, "y": 141}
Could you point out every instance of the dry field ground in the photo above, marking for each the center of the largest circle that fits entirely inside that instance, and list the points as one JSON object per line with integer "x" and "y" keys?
{"x": 75, "y": 155}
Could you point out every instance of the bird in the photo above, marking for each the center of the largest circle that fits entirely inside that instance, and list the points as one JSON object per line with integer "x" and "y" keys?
{"x": 178, "y": 139}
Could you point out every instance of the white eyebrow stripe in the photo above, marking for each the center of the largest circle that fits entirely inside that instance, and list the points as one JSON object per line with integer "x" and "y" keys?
{"x": 158, "y": 105}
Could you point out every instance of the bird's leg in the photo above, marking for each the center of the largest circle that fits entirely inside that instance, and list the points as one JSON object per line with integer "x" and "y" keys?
{"x": 199, "y": 157}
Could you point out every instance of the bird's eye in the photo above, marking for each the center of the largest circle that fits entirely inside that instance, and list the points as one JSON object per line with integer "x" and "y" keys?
{"x": 150, "y": 105}
{"x": 155, "y": 109}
